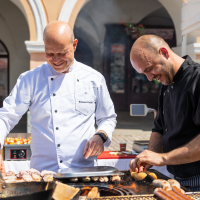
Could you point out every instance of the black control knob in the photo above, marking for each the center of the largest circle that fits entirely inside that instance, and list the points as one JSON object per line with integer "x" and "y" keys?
{"x": 21, "y": 154}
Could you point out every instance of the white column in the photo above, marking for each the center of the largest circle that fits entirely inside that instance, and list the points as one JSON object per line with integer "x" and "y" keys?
{"x": 184, "y": 44}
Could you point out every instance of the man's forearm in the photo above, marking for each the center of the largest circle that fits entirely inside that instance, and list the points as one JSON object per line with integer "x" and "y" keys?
{"x": 185, "y": 154}
{"x": 155, "y": 143}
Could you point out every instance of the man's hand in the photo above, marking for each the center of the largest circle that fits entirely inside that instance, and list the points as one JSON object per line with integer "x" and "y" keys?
{"x": 2, "y": 164}
{"x": 94, "y": 147}
{"x": 145, "y": 160}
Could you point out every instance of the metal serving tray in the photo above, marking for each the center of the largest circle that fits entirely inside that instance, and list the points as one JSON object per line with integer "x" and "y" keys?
{"x": 86, "y": 171}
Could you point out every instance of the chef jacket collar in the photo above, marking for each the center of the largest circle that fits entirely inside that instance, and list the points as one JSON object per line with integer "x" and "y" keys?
{"x": 179, "y": 75}
{"x": 55, "y": 73}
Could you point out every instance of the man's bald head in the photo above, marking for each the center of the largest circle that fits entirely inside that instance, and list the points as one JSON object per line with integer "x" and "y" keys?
{"x": 58, "y": 30}
{"x": 150, "y": 44}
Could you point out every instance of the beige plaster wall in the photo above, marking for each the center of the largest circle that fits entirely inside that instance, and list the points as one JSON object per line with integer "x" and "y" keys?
{"x": 52, "y": 9}
{"x": 36, "y": 59}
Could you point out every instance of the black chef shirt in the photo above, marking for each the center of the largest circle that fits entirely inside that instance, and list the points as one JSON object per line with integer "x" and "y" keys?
{"x": 178, "y": 118}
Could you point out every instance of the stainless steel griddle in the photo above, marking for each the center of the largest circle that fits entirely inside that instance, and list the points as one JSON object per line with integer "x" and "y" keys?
{"x": 87, "y": 171}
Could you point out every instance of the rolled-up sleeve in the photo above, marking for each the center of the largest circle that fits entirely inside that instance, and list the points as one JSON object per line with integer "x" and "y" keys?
{"x": 105, "y": 112}
{"x": 14, "y": 106}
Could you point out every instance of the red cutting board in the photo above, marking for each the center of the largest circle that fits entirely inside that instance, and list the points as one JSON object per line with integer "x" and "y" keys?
{"x": 106, "y": 155}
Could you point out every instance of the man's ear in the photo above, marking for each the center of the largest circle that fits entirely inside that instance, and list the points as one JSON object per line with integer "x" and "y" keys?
{"x": 75, "y": 44}
{"x": 164, "y": 52}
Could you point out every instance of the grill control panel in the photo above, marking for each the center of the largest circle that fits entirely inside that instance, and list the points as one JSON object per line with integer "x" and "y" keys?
{"x": 18, "y": 153}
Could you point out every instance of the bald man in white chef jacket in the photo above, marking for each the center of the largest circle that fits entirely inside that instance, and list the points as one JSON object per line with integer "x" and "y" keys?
{"x": 64, "y": 96}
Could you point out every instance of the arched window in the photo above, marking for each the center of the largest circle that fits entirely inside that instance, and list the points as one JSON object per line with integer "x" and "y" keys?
{"x": 4, "y": 72}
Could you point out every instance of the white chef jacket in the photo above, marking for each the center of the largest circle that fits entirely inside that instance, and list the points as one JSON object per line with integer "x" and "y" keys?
{"x": 63, "y": 107}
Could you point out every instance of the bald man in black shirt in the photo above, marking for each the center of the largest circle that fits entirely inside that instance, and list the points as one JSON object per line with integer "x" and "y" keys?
{"x": 175, "y": 139}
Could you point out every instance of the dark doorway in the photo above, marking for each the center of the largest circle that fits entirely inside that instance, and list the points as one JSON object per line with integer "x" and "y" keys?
{"x": 4, "y": 72}
{"x": 125, "y": 85}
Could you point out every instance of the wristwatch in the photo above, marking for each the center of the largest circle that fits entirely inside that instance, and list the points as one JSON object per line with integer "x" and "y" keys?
{"x": 102, "y": 135}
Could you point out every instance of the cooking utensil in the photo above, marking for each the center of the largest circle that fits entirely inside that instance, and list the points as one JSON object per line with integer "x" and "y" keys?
{"x": 87, "y": 171}
{"x": 26, "y": 190}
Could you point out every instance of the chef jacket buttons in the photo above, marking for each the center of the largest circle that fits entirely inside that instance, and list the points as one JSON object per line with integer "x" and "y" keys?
{"x": 167, "y": 90}
{"x": 54, "y": 94}
{"x": 56, "y": 111}
{"x": 77, "y": 80}
{"x": 61, "y": 161}
{"x": 166, "y": 130}
{"x": 52, "y": 79}
{"x": 172, "y": 87}
{"x": 164, "y": 94}
{"x": 58, "y": 145}
{"x": 163, "y": 112}
{"x": 57, "y": 128}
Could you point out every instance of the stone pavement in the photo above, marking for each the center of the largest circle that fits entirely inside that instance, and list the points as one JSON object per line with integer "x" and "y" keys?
{"x": 129, "y": 129}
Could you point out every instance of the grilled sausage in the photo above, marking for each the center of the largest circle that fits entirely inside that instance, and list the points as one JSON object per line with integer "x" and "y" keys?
{"x": 178, "y": 191}
{"x": 167, "y": 193}
{"x": 173, "y": 182}
{"x": 162, "y": 196}
{"x": 175, "y": 194}
{"x": 161, "y": 184}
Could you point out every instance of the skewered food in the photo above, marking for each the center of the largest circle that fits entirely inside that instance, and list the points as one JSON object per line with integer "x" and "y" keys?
{"x": 74, "y": 179}
{"x": 103, "y": 179}
{"x": 45, "y": 172}
{"x": 10, "y": 173}
{"x": 21, "y": 173}
{"x": 95, "y": 178}
{"x": 33, "y": 171}
{"x": 86, "y": 179}
{"x": 160, "y": 183}
{"x": 27, "y": 178}
{"x": 48, "y": 178}
{"x": 36, "y": 177}
{"x": 115, "y": 178}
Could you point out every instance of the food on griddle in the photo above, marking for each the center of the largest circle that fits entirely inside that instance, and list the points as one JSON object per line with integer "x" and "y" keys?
{"x": 137, "y": 176}
{"x": 45, "y": 172}
{"x": 153, "y": 175}
{"x": 27, "y": 178}
{"x": 178, "y": 190}
{"x": 174, "y": 194}
{"x": 173, "y": 182}
{"x": 86, "y": 179}
{"x": 160, "y": 183}
{"x": 74, "y": 179}
{"x": 103, "y": 179}
{"x": 93, "y": 193}
{"x": 10, "y": 173}
{"x": 48, "y": 178}
{"x": 33, "y": 171}
{"x": 21, "y": 173}
{"x": 115, "y": 178}
{"x": 36, "y": 177}
{"x": 64, "y": 191}
{"x": 115, "y": 153}
{"x": 95, "y": 178}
